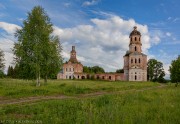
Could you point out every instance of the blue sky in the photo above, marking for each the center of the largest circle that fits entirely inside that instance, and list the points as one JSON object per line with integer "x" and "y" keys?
{"x": 100, "y": 28}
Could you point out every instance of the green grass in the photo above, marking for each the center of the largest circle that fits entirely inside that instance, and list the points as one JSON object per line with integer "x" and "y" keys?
{"x": 155, "y": 106}
{"x": 11, "y": 88}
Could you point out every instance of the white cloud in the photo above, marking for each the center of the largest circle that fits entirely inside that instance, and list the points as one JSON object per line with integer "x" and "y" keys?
{"x": 6, "y": 46}
{"x": 156, "y": 36}
{"x": 102, "y": 13}
{"x": 90, "y": 3}
{"x": 67, "y": 4}
{"x": 105, "y": 41}
{"x": 176, "y": 19}
{"x": 168, "y": 34}
{"x": 9, "y": 28}
{"x": 7, "y": 41}
{"x": 169, "y": 18}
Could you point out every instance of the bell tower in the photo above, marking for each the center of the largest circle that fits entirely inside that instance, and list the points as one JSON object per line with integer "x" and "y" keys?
{"x": 73, "y": 58}
{"x": 135, "y": 41}
{"x": 135, "y": 62}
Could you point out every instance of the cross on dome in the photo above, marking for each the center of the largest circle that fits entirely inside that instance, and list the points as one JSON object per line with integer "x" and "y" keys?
{"x": 135, "y": 27}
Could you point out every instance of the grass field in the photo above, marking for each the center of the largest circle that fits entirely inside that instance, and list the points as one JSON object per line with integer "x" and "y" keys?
{"x": 119, "y": 102}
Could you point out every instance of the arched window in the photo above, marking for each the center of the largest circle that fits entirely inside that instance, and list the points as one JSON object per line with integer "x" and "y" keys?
{"x": 139, "y": 60}
{"x": 135, "y": 61}
{"x": 131, "y": 60}
{"x": 135, "y": 48}
{"x": 135, "y": 38}
{"x": 135, "y": 77}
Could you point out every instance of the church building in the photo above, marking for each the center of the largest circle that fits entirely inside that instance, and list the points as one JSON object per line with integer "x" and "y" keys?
{"x": 71, "y": 68}
{"x": 135, "y": 62}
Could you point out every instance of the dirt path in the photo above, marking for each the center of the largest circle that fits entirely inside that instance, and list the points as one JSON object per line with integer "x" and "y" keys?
{"x": 80, "y": 96}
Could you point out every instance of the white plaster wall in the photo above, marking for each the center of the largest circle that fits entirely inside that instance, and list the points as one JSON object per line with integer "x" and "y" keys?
{"x": 126, "y": 75}
{"x": 141, "y": 75}
{"x": 68, "y": 72}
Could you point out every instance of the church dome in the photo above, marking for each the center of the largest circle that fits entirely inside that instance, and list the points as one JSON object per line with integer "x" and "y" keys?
{"x": 134, "y": 32}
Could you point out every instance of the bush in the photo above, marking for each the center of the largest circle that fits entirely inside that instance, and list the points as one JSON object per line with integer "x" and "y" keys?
{"x": 92, "y": 77}
{"x": 162, "y": 80}
{"x": 2, "y": 75}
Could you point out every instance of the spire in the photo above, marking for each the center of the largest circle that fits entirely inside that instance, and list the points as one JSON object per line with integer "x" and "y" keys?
{"x": 73, "y": 48}
{"x": 73, "y": 58}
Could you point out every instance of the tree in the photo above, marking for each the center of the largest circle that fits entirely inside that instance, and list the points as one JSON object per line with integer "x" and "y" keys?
{"x": 38, "y": 52}
{"x": 10, "y": 71}
{"x": 16, "y": 71}
{"x": 93, "y": 70}
{"x": 175, "y": 70}
{"x": 2, "y": 65}
{"x": 97, "y": 69}
{"x": 52, "y": 59}
{"x": 155, "y": 70}
{"x": 120, "y": 71}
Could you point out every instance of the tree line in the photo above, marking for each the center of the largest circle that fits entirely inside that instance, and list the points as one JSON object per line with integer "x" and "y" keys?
{"x": 93, "y": 70}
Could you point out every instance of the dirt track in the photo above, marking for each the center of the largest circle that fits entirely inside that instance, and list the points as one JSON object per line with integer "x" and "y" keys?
{"x": 28, "y": 100}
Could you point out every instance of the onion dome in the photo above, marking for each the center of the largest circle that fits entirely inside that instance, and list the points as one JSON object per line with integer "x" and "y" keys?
{"x": 134, "y": 32}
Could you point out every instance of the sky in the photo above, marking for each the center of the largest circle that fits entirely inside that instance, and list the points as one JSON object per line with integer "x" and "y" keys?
{"x": 100, "y": 28}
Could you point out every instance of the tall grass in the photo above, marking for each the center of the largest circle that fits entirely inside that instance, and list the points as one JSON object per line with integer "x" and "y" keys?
{"x": 157, "y": 106}
{"x": 11, "y": 88}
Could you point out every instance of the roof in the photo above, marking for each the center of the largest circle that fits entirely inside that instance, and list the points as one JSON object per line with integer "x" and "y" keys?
{"x": 135, "y": 32}
{"x": 127, "y": 53}
{"x": 134, "y": 53}
{"x": 137, "y": 53}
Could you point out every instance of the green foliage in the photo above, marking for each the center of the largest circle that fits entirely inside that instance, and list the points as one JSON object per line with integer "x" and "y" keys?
{"x": 2, "y": 65}
{"x": 2, "y": 75}
{"x": 93, "y": 70}
{"x": 155, "y": 71}
{"x": 10, "y": 72}
{"x": 38, "y": 52}
{"x": 175, "y": 70}
{"x": 120, "y": 71}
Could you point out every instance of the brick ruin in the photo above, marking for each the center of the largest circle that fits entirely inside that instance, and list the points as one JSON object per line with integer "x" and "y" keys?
{"x": 135, "y": 64}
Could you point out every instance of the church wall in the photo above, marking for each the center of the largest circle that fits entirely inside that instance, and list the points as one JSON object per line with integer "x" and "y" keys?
{"x": 126, "y": 75}
{"x": 126, "y": 62}
{"x": 144, "y": 76}
{"x": 135, "y": 75}
{"x": 78, "y": 68}
{"x": 68, "y": 70}
{"x": 137, "y": 57}
{"x": 80, "y": 75}
{"x": 145, "y": 62}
